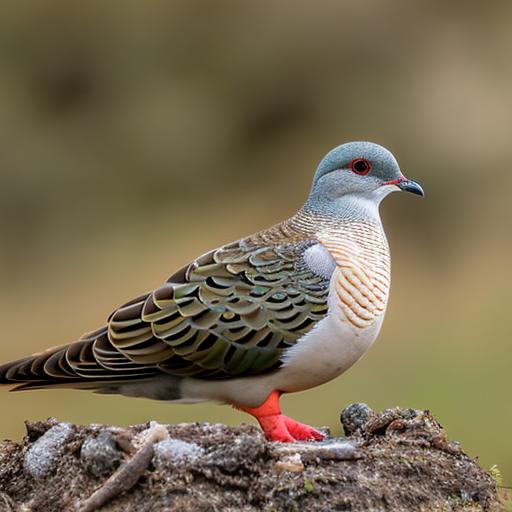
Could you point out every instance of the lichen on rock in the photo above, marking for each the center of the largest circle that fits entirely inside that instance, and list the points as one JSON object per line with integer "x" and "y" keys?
{"x": 41, "y": 457}
{"x": 171, "y": 453}
{"x": 100, "y": 454}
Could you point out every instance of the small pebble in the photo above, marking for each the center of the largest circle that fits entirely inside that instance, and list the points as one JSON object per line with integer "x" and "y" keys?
{"x": 292, "y": 463}
{"x": 100, "y": 455}
{"x": 354, "y": 417}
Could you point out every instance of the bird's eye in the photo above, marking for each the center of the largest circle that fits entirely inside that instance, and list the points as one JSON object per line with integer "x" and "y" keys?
{"x": 361, "y": 166}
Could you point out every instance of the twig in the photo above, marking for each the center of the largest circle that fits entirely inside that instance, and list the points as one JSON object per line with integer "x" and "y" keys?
{"x": 128, "y": 474}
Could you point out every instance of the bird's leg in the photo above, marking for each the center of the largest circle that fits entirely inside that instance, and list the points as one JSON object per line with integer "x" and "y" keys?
{"x": 277, "y": 426}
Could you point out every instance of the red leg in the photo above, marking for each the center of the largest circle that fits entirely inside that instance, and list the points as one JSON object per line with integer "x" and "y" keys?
{"x": 277, "y": 426}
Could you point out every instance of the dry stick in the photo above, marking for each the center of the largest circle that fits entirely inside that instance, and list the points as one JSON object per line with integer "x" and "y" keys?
{"x": 128, "y": 474}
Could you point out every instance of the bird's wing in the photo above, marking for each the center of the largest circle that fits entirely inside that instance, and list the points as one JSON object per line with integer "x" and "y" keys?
{"x": 233, "y": 311}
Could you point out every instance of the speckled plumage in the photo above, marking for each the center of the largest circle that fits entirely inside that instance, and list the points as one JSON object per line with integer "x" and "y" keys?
{"x": 234, "y": 324}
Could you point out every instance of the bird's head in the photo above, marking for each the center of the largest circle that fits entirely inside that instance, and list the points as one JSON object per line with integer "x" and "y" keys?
{"x": 358, "y": 170}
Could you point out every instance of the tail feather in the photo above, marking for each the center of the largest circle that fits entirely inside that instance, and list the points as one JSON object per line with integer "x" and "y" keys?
{"x": 88, "y": 363}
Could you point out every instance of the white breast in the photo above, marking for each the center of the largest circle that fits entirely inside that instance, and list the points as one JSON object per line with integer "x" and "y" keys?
{"x": 356, "y": 258}
{"x": 328, "y": 350}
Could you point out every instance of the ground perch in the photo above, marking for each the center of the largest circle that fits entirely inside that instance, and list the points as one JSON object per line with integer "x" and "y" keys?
{"x": 397, "y": 460}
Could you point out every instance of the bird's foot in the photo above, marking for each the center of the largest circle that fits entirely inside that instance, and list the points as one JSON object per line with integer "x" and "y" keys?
{"x": 301, "y": 431}
{"x": 277, "y": 426}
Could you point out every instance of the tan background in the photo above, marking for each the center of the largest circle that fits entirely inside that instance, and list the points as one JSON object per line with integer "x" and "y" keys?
{"x": 136, "y": 135}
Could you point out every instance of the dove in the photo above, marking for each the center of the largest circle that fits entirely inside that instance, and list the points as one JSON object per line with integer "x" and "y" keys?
{"x": 280, "y": 311}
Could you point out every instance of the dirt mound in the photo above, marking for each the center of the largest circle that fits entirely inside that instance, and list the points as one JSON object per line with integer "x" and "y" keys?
{"x": 397, "y": 460}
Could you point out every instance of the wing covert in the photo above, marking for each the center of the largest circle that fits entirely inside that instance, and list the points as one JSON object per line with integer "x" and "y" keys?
{"x": 232, "y": 311}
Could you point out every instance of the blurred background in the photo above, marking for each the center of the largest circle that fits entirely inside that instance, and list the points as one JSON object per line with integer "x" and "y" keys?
{"x": 135, "y": 136}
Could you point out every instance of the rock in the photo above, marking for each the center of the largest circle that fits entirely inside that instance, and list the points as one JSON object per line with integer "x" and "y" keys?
{"x": 43, "y": 454}
{"x": 174, "y": 452}
{"x": 290, "y": 463}
{"x": 100, "y": 455}
{"x": 354, "y": 418}
{"x": 328, "y": 449}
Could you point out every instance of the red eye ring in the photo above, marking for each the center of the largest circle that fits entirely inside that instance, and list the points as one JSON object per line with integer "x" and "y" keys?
{"x": 361, "y": 166}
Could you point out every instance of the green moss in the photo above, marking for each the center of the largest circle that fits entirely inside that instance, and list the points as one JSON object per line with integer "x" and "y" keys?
{"x": 308, "y": 485}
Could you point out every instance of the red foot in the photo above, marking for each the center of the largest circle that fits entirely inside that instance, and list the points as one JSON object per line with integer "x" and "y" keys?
{"x": 277, "y": 426}
{"x": 302, "y": 432}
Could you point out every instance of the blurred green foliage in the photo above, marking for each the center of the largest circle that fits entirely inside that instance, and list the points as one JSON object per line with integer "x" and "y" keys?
{"x": 136, "y": 135}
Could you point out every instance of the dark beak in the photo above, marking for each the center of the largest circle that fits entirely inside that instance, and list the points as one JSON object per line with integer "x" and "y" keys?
{"x": 411, "y": 186}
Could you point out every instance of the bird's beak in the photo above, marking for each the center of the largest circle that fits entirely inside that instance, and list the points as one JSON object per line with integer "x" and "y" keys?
{"x": 407, "y": 185}
{"x": 411, "y": 186}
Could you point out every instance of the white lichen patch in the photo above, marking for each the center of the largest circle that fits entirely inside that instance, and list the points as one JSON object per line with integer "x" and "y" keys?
{"x": 42, "y": 456}
{"x": 174, "y": 452}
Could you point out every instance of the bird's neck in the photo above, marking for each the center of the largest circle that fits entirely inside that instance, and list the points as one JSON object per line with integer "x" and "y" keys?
{"x": 349, "y": 221}
{"x": 351, "y": 230}
{"x": 347, "y": 209}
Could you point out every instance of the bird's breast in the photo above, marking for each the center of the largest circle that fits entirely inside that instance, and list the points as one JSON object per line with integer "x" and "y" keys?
{"x": 360, "y": 282}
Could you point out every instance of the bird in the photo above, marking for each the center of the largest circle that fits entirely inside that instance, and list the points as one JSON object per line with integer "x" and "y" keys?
{"x": 283, "y": 310}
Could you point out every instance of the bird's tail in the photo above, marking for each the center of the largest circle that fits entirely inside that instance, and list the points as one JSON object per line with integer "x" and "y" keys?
{"x": 88, "y": 363}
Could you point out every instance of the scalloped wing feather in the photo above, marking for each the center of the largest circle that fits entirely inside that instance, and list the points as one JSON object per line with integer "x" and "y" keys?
{"x": 231, "y": 312}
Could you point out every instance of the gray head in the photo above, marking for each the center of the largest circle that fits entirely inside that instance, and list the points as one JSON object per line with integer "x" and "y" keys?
{"x": 357, "y": 170}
